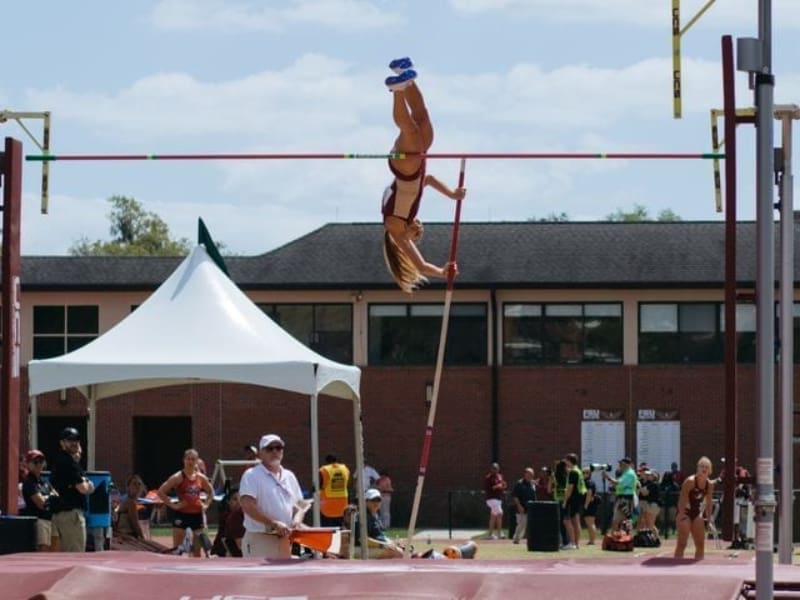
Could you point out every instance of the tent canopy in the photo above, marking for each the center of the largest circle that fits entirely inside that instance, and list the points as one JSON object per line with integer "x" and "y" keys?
{"x": 197, "y": 326}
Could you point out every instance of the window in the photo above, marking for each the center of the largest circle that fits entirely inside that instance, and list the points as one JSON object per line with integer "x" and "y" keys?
{"x": 680, "y": 333}
{"x": 325, "y": 328}
{"x": 408, "y": 334}
{"x": 61, "y": 329}
{"x": 796, "y": 325}
{"x": 745, "y": 332}
{"x": 562, "y": 333}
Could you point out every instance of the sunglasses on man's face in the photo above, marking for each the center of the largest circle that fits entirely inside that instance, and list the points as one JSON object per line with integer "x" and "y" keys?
{"x": 38, "y": 461}
{"x": 273, "y": 448}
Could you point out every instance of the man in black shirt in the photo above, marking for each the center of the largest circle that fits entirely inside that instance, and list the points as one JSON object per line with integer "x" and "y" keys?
{"x": 524, "y": 491}
{"x": 72, "y": 486}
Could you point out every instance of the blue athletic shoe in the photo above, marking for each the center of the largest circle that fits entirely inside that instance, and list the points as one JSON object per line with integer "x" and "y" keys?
{"x": 398, "y": 65}
{"x": 396, "y": 83}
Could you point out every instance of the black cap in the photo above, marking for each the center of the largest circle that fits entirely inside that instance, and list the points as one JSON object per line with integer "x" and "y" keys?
{"x": 71, "y": 434}
{"x": 626, "y": 460}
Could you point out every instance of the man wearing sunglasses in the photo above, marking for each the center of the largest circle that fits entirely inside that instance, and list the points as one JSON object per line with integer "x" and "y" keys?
{"x": 272, "y": 503}
{"x": 38, "y": 494}
{"x": 73, "y": 486}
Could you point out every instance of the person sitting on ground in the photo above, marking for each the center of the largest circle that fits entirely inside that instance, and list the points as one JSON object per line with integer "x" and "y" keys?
{"x": 379, "y": 544}
{"x": 127, "y": 513}
{"x": 127, "y": 532}
{"x": 230, "y": 530}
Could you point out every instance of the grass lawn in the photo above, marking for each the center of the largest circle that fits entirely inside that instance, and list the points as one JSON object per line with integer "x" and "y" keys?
{"x": 506, "y": 550}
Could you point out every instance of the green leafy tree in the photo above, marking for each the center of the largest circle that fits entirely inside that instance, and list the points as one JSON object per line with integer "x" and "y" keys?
{"x": 552, "y": 217}
{"x": 135, "y": 232}
{"x": 668, "y": 215}
{"x": 639, "y": 214}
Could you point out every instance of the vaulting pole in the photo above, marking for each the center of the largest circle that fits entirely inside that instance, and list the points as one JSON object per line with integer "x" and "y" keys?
{"x": 448, "y": 298}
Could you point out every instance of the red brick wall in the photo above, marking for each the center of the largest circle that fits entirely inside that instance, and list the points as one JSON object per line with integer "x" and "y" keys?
{"x": 539, "y": 415}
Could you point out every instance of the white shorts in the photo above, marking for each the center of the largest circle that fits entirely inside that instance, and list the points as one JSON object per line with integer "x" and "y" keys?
{"x": 495, "y": 506}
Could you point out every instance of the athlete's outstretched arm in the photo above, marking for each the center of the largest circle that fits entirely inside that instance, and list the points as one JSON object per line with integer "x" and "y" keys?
{"x": 456, "y": 194}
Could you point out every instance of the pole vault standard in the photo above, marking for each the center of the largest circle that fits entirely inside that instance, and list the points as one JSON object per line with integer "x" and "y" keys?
{"x": 426, "y": 446}
{"x": 394, "y": 155}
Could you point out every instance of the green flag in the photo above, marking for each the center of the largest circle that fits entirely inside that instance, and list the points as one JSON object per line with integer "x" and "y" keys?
{"x": 203, "y": 237}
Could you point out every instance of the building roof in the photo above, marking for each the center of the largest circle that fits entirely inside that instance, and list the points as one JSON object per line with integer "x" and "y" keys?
{"x": 497, "y": 254}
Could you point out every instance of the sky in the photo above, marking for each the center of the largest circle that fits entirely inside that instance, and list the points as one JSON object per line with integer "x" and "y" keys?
{"x": 306, "y": 76}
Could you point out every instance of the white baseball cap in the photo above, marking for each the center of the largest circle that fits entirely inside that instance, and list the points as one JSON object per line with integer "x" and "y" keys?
{"x": 268, "y": 439}
{"x": 372, "y": 494}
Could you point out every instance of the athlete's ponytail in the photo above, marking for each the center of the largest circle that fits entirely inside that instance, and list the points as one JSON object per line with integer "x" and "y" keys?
{"x": 400, "y": 266}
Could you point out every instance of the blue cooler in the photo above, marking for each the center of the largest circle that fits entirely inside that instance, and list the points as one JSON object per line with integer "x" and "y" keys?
{"x": 98, "y": 513}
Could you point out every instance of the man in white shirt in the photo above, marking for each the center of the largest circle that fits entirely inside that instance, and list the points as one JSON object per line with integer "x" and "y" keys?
{"x": 370, "y": 476}
{"x": 272, "y": 502}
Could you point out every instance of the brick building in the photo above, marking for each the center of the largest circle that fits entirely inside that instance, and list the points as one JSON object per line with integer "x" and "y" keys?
{"x": 595, "y": 338}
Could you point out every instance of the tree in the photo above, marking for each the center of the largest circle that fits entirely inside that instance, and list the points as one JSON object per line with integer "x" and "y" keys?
{"x": 552, "y": 217}
{"x": 668, "y": 215}
{"x": 135, "y": 232}
{"x": 639, "y": 214}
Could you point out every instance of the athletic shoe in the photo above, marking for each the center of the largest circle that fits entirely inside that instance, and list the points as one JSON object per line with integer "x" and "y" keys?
{"x": 398, "y": 65}
{"x": 400, "y": 82}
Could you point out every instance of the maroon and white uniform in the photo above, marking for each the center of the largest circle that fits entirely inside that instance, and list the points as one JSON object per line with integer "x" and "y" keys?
{"x": 401, "y": 199}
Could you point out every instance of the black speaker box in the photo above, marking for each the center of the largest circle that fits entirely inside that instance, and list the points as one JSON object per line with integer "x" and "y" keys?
{"x": 543, "y": 527}
{"x": 17, "y": 534}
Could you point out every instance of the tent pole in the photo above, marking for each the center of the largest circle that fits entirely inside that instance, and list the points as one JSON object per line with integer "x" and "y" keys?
{"x": 362, "y": 505}
{"x": 91, "y": 434}
{"x": 315, "y": 454}
{"x": 33, "y": 422}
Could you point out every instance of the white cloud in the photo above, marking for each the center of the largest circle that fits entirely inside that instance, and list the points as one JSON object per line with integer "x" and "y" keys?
{"x": 786, "y": 13}
{"x": 273, "y": 16}
{"x": 317, "y": 101}
{"x": 319, "y": 104}
{"x": 70, "y": 218}
{"x": 313, "y": 93}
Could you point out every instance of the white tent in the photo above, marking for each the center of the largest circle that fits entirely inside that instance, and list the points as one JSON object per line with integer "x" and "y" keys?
{"x": 198, "y": 326}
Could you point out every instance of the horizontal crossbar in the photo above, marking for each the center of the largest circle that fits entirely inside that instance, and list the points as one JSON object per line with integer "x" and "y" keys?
{"x": 395, "y": 155}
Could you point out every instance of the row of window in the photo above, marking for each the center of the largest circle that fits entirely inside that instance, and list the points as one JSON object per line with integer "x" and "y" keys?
{"x": 532, "y": 333}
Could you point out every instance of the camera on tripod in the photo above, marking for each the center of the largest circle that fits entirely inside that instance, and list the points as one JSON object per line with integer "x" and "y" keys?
{"x": 600, "y": 467}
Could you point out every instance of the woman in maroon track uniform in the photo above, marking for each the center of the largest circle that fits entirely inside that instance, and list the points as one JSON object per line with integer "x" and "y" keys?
{"x": 694, "y": 509}
{"x": 401, "y": 199}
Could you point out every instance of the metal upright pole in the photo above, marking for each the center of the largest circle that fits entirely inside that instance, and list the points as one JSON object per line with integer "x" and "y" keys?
{"x": 785, "y": 550}
{"x": 765, "y": 305}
